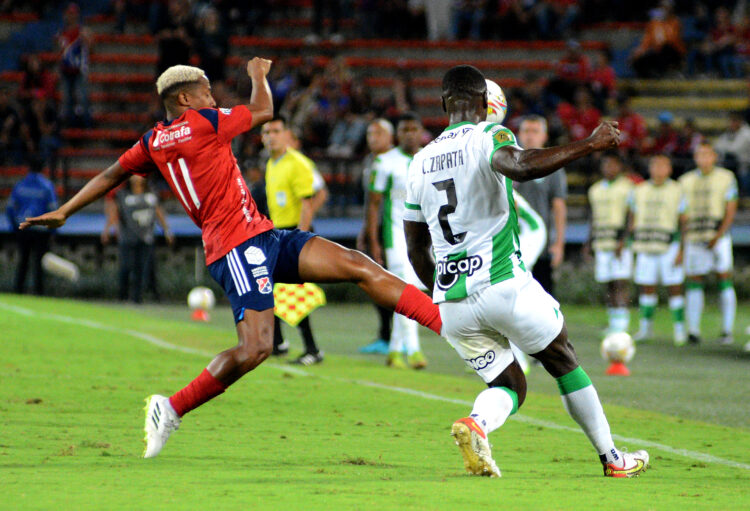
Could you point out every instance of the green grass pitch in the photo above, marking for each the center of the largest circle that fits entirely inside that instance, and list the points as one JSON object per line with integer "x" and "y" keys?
{"x": 348, "y": 434}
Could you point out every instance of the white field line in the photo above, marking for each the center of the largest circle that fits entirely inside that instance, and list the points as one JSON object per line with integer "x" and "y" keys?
{"x": 694, "y": 455}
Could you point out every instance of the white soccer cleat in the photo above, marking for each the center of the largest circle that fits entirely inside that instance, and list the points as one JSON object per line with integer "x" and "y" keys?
{"x": 161, "y": 420}
{"x": 473, "y": 444}
{"x": 632, "y": 464}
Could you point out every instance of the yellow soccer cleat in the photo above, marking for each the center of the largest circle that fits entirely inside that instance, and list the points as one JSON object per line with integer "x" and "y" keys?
{"x": 416, "y": 360}
{"x": 632, "y": 464}
{"x": 474, "y": 447}
{"x": 395, "y": 360}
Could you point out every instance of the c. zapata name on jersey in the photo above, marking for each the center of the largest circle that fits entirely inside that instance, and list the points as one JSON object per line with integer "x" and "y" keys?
{"x": 481, "y": 361}
{"x": 448, "y": 271}
{"x": 442, "y": 161}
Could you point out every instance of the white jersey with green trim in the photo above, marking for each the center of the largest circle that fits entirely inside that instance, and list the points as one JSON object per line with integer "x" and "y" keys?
{"x": 388, "y": 176}
{"x": 468, "y": 207}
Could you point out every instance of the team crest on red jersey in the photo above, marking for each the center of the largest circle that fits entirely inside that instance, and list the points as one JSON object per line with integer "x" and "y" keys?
{"x": 264, "y": 285}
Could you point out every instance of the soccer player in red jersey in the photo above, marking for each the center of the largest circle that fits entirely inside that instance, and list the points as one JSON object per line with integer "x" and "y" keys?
{"x": 244, "y": 253}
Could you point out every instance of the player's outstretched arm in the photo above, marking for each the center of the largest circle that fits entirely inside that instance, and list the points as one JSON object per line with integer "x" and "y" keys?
{"x": 261, "y": 101}
{"x": 525, "y": 165}
{"x": 94, "y": 189}
{"x": 418, "y": 246}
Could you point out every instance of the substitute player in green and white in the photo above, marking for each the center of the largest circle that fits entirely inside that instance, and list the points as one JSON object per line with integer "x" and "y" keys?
{"x": 460, "y": 204}
{"x": 711, "y": 194}
{"x": 388, "y": 188}
{"x": 656, "y": 224}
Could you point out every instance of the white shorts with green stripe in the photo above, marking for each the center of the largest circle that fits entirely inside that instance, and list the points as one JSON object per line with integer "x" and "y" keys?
{"x": 517, "y": 310}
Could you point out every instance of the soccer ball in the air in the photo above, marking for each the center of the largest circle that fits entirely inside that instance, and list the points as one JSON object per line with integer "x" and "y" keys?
{"x": 497, "y": 106}
{"x": 202, "y": 298}
{"x": 618, "y": 347}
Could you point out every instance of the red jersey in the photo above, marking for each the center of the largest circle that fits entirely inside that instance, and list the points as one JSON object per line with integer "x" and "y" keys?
{"x": 632, "y": 131}
{"x": 194, "y": 155}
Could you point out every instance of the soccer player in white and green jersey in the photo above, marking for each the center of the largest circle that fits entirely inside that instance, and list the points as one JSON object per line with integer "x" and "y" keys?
{"x": 388, "y": 188}
{"x": 459, "y": 203}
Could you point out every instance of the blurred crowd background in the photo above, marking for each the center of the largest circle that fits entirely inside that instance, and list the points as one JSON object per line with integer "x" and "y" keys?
{"x": 78, "y": 79}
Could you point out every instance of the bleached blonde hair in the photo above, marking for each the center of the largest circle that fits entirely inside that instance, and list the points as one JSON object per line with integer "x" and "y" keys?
{"x": 177, "y": 75}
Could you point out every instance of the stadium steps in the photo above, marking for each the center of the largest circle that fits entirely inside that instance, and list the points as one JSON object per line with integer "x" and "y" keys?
{"x": 696, "y": 87}
{"x": 707, "y": 102}
{"x": 688, "y": 104}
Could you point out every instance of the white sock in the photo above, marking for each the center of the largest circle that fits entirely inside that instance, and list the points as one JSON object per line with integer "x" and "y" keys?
{"x": 411, "y": 336}
{"x": 492, "y": 407}
{"x": 396, "y": 342}
{"x": 728, "y": 306}
{"x": 694, "y": 309}
{"x": 647, "y": 305}
{"x": 619, "y": 319}
{"x": 677, "y": 307}
{"x": 582, "y": 403}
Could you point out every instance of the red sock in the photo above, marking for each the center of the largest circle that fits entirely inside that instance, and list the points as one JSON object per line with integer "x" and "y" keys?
{"x": 204, "y": 388}
{"x": 416, "y": 305}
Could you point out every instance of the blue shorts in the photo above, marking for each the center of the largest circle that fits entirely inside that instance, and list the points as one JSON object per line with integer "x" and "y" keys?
{"x": 248, "y": 272}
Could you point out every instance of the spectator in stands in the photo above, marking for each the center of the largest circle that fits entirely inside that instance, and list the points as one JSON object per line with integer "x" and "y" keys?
{"x": 41, "y": 131}
{"x": 602, "y": 80}
{"x": 11, "y": 145}
{"x": 556, "y": 18}
{"x": 321, "y": 8}
{"x": 632, "y": 126}
{"x": 661, "y": 49}
{"x": 282, "y": 81}
{"x": 212, "y": 45}
{"x": 175, "y": 36}
{"x": 581, "y": 118}
{"x": 37, "y": 82}
{"x": 547, "y": 196}
{"x": 132, "y": 215}
{"x": 74, "y": 41}
{"x": 690, "y": 138}
{"x": 695, "y": 29}
{"x": 436, "y": 14}
{"x": 666, "y": 140}
{"x": 572, "y": 71}
{"x": 720, "y": 48}
{"x": 351, "y": 125}
{"x": 733, "y": 148}
{"x": 32, "y": 196}
{"x": 468, "y": 16}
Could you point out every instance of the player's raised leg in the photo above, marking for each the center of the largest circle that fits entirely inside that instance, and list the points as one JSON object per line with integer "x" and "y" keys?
{"x": 582, "y": 403}
{"x": 322, "y": 260}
